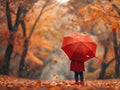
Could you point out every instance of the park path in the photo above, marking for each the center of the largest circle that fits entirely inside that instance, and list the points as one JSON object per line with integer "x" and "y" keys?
{"x": 12, "y": 83}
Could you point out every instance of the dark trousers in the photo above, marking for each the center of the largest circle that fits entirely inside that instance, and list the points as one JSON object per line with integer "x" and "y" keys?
{"x": 81, "y": 76}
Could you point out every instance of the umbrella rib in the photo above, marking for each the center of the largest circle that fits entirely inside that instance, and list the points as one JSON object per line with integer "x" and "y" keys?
{"x": 88, "y": 47}
{"x": 75, "y": 49}
{"x": 85, "y": 46}
{"x": 83, "y": 43}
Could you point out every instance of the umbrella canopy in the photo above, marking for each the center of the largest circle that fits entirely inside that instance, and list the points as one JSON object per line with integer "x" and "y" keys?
{"x": 79, "y": 47}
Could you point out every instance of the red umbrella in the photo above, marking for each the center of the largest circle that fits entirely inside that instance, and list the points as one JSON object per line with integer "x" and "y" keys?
{"x": 79, "y": 47}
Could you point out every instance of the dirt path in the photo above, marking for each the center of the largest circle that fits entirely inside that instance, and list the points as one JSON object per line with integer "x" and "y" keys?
{"x": 12, "y": 83}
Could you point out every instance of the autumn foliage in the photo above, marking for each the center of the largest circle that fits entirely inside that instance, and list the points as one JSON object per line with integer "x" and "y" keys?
{"x": 102, "y": 13}
{"x": 7, "y": 83}
{"x": 42, "y": 25}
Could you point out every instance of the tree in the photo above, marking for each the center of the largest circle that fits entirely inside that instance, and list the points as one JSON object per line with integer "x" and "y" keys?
{"x": 23, "y": 34}
{"x": 26, "y": 41}
{"x": 107, "y": 14}
{"x": 12, "y": 29}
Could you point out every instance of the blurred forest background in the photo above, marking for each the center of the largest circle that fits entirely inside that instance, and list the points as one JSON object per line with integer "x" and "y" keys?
{"x": 31, "y": 33}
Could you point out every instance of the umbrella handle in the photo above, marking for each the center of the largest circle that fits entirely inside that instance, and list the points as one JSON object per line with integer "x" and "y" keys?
{"x": 98, "y": 59}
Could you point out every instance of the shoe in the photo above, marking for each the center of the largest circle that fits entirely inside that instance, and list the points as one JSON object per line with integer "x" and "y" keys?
{"x": 77, "y": 83}
{"x": 82, "y": 83}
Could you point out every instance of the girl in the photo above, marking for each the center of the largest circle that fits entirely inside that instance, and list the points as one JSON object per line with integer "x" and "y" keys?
{"x": 78, "y": 68}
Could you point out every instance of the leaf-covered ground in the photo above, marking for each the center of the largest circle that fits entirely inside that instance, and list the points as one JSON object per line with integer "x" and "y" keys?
{"x": 12, "y": 83}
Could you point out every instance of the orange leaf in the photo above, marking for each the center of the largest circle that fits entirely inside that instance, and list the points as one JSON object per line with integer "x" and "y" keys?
{"x": 55, "y": 61}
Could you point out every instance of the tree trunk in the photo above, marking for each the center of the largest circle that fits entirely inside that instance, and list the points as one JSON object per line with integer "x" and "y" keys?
{"x": 117, "y": 67}
{"x": 10, "y": 45}
{"x": 103, "y": 65}
{"x": 24, "y": 53}
{"x": 116, "y": 47}
{"x": 22, "y": 61}
{"x": 103, "y": 70}
{"x": 7, "y": 56}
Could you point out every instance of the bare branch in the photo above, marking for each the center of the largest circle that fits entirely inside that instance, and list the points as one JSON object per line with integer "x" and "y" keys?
{"x": 41, "y": 12}
{"x": 18, "y": 17}
{"x": 110, "y": 62}
{"x": 23, "y": 28}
